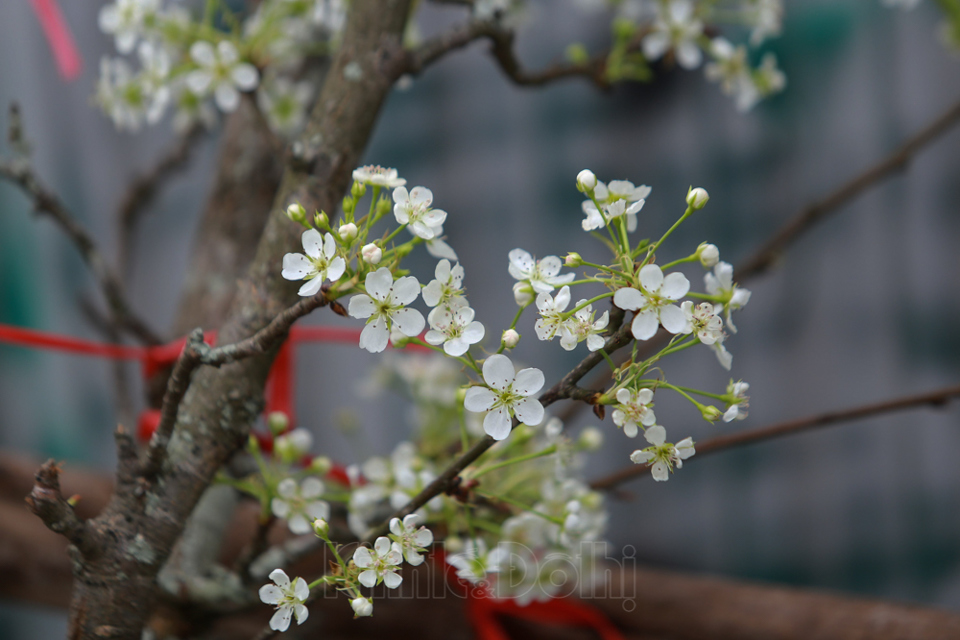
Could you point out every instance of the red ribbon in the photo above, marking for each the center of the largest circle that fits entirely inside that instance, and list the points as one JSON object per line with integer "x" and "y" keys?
{"x": 482, "y": 609}
{"x": 58, "y": 36}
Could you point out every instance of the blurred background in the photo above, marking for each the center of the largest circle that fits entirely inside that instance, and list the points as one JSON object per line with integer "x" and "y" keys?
{"x": 862, "y": 309}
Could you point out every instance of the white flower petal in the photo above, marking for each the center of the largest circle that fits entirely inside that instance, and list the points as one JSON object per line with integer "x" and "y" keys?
{"x": 478, "y": 399}
{"x": 674, "y": 320}
{"x": 279, "y": 576}
{"x": 368, "y": 578}
{"x": 361, "y": 306}
{"x": 410, "y": 322}
{"x": 629, "y": 299}
{"x": 392, "y": 580}
{"x": 498, "y": 371}
{"x": 656, "y": 435}
{"x": 313, "y": 242}
{"x": 645, "y": 325}
{"x": 270, "y": 594}
{"x": 651, "y": 277}
{"x": 528, "y": 381}
{"x": 227, "y": 97}
{"x": 660, "y": 471}
{"x": 405, "y": 290}
{"x": 529, "y": 411}
{"x": 311, "y": 287}
{"x": 375, "y": 336}
{"x": 281, "y": 619}
{"x": 497, "y": 423}
{"x": 245, "y": 76}
{"x": 379, "y": 283}
{"x": 296, "y": 266}
{"x": 675, "y": 286}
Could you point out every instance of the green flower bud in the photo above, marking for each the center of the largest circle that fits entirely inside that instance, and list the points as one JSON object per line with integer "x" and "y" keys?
{"x": 697, "y": 198}
{"x": 322, "y": 528}
{"x": 278, "y": 422}
{"x": 573, "y": 260}
{"x": 711, "y": 413}
{"x": 297, "y": 213}
{"x": 321, "y": 465}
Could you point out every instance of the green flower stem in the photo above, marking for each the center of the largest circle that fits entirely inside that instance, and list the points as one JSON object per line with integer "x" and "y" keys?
{"x": 473, "y": 365}
{"x": 505, "y": 463}
{"x": 600, "y": 267}
{"x": 520, "y": 505}
{"x": 606, "y": 357}
{"x": 679, "y": 347}
{"x": 606, "y": 224}
{"x": 653, "y": 250}
{"x": 706, "y": 394}
{"x": 464, "y": 436}
{"x": 393, "y": 235}
{"x": 705, "y": 296}
{"x": 690, "y": 258}
{"x": 667, "y": 385}
{"x": 608, "y": 294}
{"x": 513, "y": 325}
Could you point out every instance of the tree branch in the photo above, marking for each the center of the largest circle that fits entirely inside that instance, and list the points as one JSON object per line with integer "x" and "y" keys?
{"x": 933, "y": 399}
{"x": 46, "y": 501}
{"x": 772, "y": 249}
{"x": 501, "y": 39}
{"x": 19, "y": 172}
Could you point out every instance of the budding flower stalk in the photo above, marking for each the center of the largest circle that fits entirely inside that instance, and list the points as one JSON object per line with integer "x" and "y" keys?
{"x": 697, "y": 198}
{"x": 586, "y": 181}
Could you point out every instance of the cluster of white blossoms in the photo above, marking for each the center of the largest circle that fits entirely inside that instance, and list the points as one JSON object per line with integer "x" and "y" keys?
{"x": 520, "y": 516}
{"x": 683, "y": 32}
{"x": 187, "y": 64}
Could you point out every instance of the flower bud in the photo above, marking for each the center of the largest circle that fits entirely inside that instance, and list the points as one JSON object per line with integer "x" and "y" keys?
{"x": 372, "y": 253}
{"x": 591, "y": 439}
{"x": 711, "y": 413}
{"x": 321, "y": 465}
{"x": 297, "y": 213}
{"x": 697, "y": 198}
{"x": 573, "y": 259}
{"x": 349, "y": 205}
{"x": 384, "y": 205}
{"x": 523, "y": 293}
{"x": 510, "y": 338}
{"x": 708, "y": 254}
{"x": 347, "y": 232}
{"x": 322, "y": 528}
{"x": 586, "y": 181}
{"x": 362, "y": 607}
{"x": 357, "y": 190}
{"x": 592, "y": 500}
{"x": 278, "y": 422}
{"x": 321, "y": 220}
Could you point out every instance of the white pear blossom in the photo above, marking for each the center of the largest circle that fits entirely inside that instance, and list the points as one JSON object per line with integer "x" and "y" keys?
{"x": 731, "y": 69}
{"x": 284, "y": 103}
{"x": 767, "y": 19}
{"x": 675, "y": 28}
{"x": 551, "y": 313}
{"x": 385, "y": 304}
{"x": 507, "y": 394}
{"x": 654, "y": 304}
{"x": 378, "y": 176}
{"x": 413, "y": 209}
{"x": 287, "y": 597}
{"x": 121, "y": 94}
{"x": 378, "y": 565}
{"x": 620, "y": 197}
{"x": 662, "y": 456}
{"x": 362, "y": 607}
{"x": 320, "y": 263}
{"x": 455, "y": 329}
{"x": 125, "y": 19}
{"x": 409, "y": 539}
{"x": 583, "y": 327}
{"x": 294, "y": 444}
{"x": 300, "y": 505}
{"x": 703, "y": 320}
{"x": 447, "y": 289}
{"x": 720, "y": 283}
{"x": 154, "y": 77}
{"x": 474, "y": 562}
{"x": 221, "y": 70}
{"x": 633, "y": 410}
{"x": 543, "y": 275}
{"x": 737, "y": 409}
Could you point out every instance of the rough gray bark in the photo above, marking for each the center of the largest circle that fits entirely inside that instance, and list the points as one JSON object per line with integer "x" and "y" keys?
{"x": 115, "y": 587}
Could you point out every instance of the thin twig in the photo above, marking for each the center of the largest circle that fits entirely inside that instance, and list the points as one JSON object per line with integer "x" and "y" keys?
{"x": 18, "y": 172}
{"x": 932, "y": 398}
{"x": 771, "y": 250}
{"x": 143, "y": 189}
{"x": 177, "y": 386}
{"x": 501, "y": 39}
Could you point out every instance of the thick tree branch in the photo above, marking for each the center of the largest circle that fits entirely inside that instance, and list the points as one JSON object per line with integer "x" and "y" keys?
{"x": 772, "y": 249}
{"x": 930, "y": 399}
